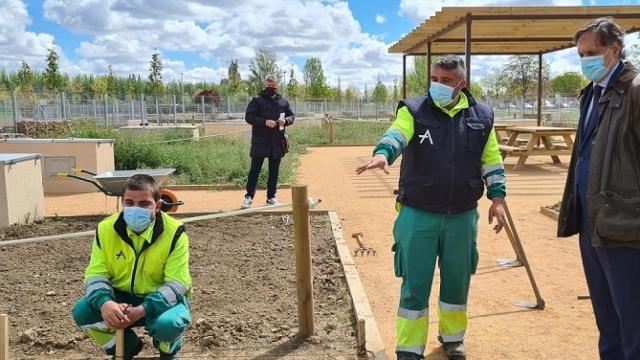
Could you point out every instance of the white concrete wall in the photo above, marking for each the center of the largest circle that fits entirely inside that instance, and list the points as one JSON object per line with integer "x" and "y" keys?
{"x": 21, "y": 192}
{"x": 95, "y": 155}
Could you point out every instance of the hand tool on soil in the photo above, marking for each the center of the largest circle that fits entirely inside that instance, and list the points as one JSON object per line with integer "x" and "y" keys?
{"x": 362, "y": 248}
{"x": 509, "y": 228}
{"x": 517, "y": 262}
{"x": 119, "y": 344}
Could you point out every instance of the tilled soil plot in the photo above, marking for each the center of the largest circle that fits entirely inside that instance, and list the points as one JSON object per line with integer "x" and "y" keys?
{"x": 244, "y": 294}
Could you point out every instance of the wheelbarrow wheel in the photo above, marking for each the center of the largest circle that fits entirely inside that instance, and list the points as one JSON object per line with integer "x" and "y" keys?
{"x": 169, "y": 199}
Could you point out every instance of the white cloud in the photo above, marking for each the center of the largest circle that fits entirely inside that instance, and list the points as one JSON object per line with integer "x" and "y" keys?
{"x": 380, "y": 19}
{"x": 18, "y": 44}
{"x": 420, "y": 10}
{"x": 124, "y": 33}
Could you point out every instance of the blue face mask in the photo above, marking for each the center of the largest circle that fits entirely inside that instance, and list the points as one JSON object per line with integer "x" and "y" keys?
{"x": 593, "y": 67}
{"x": 137, "y": 219}
{"x": 441, "y": 94}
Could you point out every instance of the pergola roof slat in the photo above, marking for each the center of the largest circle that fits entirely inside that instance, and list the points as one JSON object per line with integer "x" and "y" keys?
{"x": 532, "y": 26}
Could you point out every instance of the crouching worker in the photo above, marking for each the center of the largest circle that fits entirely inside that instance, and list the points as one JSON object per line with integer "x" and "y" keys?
{"x": 138, "y": 275}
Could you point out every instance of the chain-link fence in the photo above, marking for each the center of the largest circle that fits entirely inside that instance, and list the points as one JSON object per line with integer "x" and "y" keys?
{"x": 558, "y": 110}
{"x": 175, "y": 110}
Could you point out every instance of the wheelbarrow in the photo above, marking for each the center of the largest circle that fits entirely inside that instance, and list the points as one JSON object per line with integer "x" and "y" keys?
{"x": 111, "y": 183}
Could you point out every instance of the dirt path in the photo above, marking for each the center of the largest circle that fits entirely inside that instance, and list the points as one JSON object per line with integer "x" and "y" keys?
{"x": 497, "y": 329}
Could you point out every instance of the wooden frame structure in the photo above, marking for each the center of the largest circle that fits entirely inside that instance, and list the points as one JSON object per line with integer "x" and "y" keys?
{"x": 504, "y": 31}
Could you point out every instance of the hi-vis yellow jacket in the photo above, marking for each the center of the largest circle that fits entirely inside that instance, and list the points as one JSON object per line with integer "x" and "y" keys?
{"x": 158, "y": 271}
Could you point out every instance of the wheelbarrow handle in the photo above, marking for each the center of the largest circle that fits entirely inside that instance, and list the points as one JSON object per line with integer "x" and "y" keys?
{"x": 78, "y": 171}
{"x": 95, "y": 183}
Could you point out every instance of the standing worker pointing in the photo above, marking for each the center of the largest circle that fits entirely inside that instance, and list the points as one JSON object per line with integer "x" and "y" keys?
{"x": 448, "y": 147}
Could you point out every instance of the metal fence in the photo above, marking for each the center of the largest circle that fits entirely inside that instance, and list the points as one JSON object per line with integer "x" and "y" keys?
{"x": 174, "y": 110}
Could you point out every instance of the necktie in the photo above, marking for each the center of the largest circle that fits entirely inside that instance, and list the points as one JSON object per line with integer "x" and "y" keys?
{"x": 593, "y": 116}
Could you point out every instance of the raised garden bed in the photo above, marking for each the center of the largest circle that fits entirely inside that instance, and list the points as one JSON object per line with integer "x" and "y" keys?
{"x": 244, "y": 297}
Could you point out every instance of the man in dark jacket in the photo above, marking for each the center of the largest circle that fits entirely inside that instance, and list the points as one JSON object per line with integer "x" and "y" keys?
{"x": 602, "y": 194}
{"x": 268, "y": 113}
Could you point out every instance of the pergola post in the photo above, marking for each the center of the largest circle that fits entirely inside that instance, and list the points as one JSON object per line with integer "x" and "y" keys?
{"x": 540, "y": 89}
{"x": 428, "y": 62}
{"x": 404, "y": 76}
{"x": 467, "y": 49}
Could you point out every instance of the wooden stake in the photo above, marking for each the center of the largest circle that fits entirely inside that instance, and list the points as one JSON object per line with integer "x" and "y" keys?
{"x": 330, "y": 130}
{"x": 362, "y": 339}
{"x": 304, "y": 273}
{"x": 120, "y": 344}
{"x": 4, "y": 337}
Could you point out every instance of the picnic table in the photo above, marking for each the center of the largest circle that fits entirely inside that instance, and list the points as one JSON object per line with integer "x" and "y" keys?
{"x": 544, "y": 135}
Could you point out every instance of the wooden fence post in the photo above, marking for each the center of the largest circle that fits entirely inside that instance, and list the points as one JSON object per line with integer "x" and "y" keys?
{"x": 304, "y": 275}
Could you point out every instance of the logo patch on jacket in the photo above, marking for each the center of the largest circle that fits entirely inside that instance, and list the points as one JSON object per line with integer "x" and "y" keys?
{"x": 121, "y": 254}
{"x": 426, "y": 135}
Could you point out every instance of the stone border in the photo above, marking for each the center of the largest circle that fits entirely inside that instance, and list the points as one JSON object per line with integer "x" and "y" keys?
{"x": 361, "y": 305}
{"x": 549, "y": 213}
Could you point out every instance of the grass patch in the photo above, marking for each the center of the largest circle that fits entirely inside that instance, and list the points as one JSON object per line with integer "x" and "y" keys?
{"x": 217, "y": 160}
{"x": 344, "y": 133}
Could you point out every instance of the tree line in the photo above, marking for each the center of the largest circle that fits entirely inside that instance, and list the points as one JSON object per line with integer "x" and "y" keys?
{"x": 517, "y": 77}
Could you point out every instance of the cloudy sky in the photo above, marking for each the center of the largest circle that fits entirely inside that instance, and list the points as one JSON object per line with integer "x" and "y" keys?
{"x": 200, "y": 37}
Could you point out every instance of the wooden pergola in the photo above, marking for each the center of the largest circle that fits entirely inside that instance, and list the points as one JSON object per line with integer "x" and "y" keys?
{"x": 504, "y": 31}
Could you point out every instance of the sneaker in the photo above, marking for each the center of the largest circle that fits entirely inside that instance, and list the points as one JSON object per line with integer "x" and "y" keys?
{"x": 454, "y": 350}
{"x": 403, "y": 355}
{"x": 246, "y": 203}
{"x": 273, "y": 201}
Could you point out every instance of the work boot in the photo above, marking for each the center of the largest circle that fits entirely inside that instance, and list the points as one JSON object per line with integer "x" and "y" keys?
{"x": 403, "y": 355}
{"x": 246, "y": 203}
{"x": 454, "y": 350}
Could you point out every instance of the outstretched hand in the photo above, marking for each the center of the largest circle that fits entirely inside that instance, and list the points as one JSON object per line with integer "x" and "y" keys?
{"x": 378, "y": 161}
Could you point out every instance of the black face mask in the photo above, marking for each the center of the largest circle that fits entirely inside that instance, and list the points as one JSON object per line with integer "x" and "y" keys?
{"x": 270, "y": 91}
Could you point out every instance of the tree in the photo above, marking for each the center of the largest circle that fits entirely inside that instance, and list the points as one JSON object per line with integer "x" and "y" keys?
{"x": 292, "y": 86}
{"x": 234, "y": 78}
{"x": 521, "y": 73}
{"x": 52, "y": 78}
{"x": 568, "y": 83}
{"x": 634, "y": 55}
{"x": 379, "y": 93}
{"x": 395, "y": 93}
{"x": 351, "y": 93}
{"x": 366, "y": 95}
{"x": 495, "y": 83}
{"x": 477, "y": 91}
{"x": 417, "y": 77}
{"x": 314, "y": 78}
{"x": 155, "y": 75}
{"x": 262, "y": 65}
{"x": 337, "y": 91}
{"x": 25, "y": 78}
{"x": 98, "y": 85}
{"x": 112, "y": 86}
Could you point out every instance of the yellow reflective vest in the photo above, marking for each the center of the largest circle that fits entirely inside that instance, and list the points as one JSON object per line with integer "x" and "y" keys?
{"x": 162, "y": 264}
